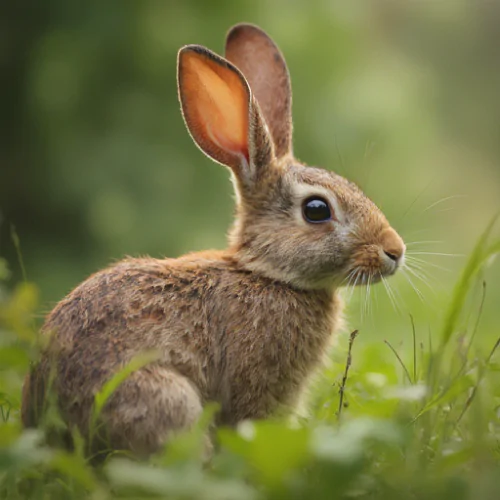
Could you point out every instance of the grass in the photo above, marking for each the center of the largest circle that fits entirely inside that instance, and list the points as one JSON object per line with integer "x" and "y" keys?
{"x": 418, "y": 424}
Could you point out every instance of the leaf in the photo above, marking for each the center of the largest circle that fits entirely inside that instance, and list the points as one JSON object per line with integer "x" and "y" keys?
{"x": 348, "y": 444}
{"x": 186, "y": 482}
{"x": 271, "y": 447}
{"x": 74, "y": 467}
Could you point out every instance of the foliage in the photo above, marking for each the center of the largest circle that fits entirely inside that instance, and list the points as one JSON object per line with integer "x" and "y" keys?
{"x": 423, "y": 427}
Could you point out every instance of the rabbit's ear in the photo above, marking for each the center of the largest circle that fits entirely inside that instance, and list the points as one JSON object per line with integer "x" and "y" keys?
{"x": 251, "y": 50}
{"x": 219, "y": 111}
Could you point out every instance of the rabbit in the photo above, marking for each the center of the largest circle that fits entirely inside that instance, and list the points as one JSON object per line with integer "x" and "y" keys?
{"x": 247, "y": 327}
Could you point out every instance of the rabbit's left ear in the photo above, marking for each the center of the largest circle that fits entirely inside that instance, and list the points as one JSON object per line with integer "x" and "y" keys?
{"x": 255, "y": 54}
{"x": 221, "y": 114}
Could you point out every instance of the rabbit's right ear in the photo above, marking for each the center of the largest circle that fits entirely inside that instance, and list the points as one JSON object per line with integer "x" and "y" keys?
{"x": 253, "y": 51}
{"x": 220, "y": 112}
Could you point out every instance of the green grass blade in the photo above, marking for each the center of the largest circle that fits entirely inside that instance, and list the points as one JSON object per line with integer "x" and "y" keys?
{"x": 17, "y": 245}
{"x": 480, "y": 255}
{"x": 118, "y": 378}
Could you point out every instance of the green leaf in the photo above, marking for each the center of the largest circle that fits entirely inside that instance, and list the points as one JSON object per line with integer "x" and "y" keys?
{"x": 272, "y": 448}
{"x": 74, "y": 467}
{"x": 187, "y": 482}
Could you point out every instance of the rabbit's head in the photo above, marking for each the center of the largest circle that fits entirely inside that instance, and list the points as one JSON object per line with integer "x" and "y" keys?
{"x": 299, "y": 224}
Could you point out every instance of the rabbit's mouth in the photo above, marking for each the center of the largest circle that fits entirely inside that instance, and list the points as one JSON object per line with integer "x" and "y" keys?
{"x": 372, "y": 268}
{"x": 373, "y": 263}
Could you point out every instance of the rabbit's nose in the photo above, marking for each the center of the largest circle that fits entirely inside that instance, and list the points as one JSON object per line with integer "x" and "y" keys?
{"x": 392, "y": 245}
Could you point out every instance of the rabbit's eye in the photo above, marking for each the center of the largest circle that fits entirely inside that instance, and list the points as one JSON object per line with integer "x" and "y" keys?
{"x": 316, "y": 210}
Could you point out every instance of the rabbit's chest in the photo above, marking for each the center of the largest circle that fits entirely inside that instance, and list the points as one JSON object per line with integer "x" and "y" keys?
{"x": 270, "y": 357}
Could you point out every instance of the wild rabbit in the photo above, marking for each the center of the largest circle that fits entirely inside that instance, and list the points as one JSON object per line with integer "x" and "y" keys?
{"x": 245, "y": 327}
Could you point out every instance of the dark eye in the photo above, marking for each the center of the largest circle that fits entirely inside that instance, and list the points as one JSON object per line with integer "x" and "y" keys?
{"x": 316, "y": 210}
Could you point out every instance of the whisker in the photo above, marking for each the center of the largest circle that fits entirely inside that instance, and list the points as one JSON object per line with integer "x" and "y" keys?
{"x": 430, "y": 281}
{"x": 375, "y": 296}
{"x": 417, "y": 291}
{"x": 442, "y": 200}
{"x": 412, "y": 204}
{"x": 350, "y": 285}
{"x": 394, "y": 293}
{"x": 348, "y": 277}
{"x": 438, "y": 253}
{"x": 353, "y": 287}
{"x": 384, "y": 282}
{"x": 369, "y": 297}
{"x": 418, "y": 231}
{"x": 424, "y": 242}
{"x": 362, "y": 294}
{"x": 363, "y": 303}
{"x": 421, "y": 262}
{"x": 420, "y": 267}
{"x": 417, "y": 265}
{"x": 445, "y": 210}
{"x": 420, "y": 277}
{"x": 367, "y": 294}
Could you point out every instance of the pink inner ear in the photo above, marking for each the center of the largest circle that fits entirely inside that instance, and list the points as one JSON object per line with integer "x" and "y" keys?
{"x": 225, "y": 142}
{"x": 222, "y": 104}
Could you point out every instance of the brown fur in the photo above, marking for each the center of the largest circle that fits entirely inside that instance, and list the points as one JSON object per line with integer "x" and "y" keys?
{"x": 246, "y": 327}
{"x": 190, "y": 309}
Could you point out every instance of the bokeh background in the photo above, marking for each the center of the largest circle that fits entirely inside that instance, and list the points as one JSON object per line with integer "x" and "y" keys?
{"x": 95, "y": 161}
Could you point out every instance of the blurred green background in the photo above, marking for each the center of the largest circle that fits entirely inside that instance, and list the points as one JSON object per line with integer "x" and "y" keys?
{"x": 95, "y": 161}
